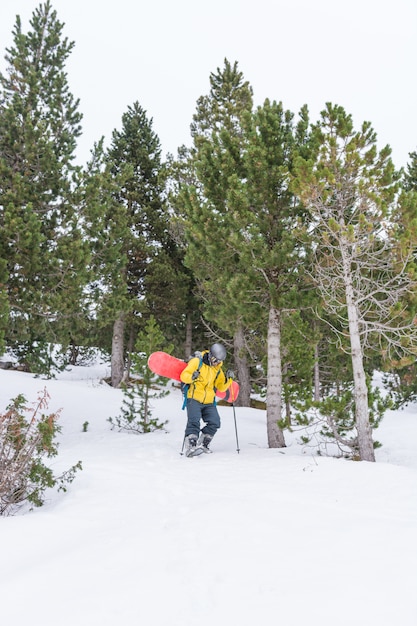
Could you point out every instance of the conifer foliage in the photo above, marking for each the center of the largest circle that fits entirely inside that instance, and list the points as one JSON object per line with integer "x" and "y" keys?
{"x": 240, "y": 216}
{"x": 209, "y": 204}
{"x": 363, "y": 265}
{"x": 134, "y": 161}
{"x": 138, "y": 392}
{"x": 41, "y": 248}
{"x": 281, "y": 230}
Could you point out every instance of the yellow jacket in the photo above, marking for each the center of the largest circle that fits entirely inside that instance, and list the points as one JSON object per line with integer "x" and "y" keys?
{"x": 211, "y": 378}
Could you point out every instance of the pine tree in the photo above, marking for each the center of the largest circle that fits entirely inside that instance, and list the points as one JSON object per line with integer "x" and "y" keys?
{"x": 40, "y": 238}
{"x": 241, "y": 217}
{"x": 181, "y": 175}
{"x": 135, "y": 162}
{"x": 136, "y": 269}
{"x": 268, "y": 242}
{"x": 402, "y": 376}
{"x": 136, "y": 411}
{"x": 208, "y": 202}
{"x": 364, "y": 264}
{"x": 168, "y": 286}
{"x": 105, "y": 229}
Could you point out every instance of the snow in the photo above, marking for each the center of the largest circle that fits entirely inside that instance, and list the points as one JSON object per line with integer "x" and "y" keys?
{"x": 265, "y": 536}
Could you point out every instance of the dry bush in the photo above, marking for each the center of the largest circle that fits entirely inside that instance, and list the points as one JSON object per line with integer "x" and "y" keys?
{"x": 27, "y": 437}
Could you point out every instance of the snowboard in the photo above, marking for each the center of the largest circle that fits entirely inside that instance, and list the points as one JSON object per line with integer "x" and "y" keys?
{"x": 169, "y": 366}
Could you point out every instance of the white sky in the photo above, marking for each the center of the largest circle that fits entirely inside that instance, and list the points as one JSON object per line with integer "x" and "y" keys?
{"x": 359, "y": 54}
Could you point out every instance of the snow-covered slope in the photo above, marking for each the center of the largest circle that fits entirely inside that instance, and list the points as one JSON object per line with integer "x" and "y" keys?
{"x": 145, "y": 536}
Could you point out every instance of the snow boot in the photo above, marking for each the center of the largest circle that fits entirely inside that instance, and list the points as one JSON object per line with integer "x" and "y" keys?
{"x": 191, "y": 448}
{"x": 204, "y": 442}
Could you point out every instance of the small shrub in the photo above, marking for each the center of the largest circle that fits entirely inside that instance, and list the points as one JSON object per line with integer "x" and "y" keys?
{"x": 136, "y": 410}
{"x": 330, "y": 423}
{"x": 27, "y": 437}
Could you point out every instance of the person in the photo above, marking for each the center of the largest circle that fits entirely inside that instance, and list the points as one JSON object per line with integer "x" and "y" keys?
{"x": 203, "y": 382}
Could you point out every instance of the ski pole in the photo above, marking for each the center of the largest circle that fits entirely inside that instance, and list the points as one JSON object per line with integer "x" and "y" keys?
{"x": 237, "y": 439}
{"x": 182, "y": 449}
{"x": 234, "y": 417}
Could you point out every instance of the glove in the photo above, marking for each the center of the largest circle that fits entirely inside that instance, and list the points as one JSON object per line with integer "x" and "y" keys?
{"x": 195, "y": 375}
{"x": 230, "y": 374}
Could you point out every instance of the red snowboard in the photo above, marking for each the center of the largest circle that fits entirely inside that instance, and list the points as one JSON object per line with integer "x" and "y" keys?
{"x": 169, "y": 366}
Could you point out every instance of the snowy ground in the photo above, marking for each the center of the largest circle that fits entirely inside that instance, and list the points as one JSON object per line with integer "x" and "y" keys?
{"x": 145, "y": 536}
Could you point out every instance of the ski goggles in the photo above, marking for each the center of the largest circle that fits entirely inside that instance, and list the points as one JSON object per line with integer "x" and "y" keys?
{"x": 213, "y": 360}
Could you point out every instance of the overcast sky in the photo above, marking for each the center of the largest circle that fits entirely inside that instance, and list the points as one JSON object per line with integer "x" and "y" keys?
{"x": 360, "y": 54}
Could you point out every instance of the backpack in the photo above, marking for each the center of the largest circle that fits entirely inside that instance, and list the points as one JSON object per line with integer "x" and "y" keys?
{"x": 185, "y": 386}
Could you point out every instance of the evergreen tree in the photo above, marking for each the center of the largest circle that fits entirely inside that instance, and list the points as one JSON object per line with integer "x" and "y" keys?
{"x": 135, "y": 162}
{"x": 168, "y": 282}
{"x": 181, "y": 175}
{"x": 105, "y": 229}
{"x": 209, "y": 200}
{"x": 168, "y": 287}
{"x": 364, "y": 264}
{"x": 136, "y": 269}
{"x": 241, "y": 218}
{"x": 401, "y": 379}
{"x": 40, "y": 239}
{"x": 268, "y": 242}
{"x": 136, "y": 411}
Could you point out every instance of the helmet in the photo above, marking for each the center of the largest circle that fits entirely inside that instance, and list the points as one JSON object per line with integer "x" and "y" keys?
{"x": 217, "y": 353}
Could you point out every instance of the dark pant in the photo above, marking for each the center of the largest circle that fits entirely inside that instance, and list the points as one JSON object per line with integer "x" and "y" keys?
{"x": 206, "y": 412}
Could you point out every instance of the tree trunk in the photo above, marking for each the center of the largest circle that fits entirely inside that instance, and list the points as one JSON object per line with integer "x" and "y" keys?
{"x": 274, "y": 384}
{"x": 117, "y": 352}
{"x": 242, "y": 368}
{"x": 365, "y": 442}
